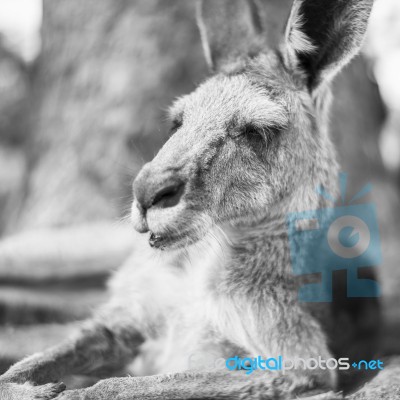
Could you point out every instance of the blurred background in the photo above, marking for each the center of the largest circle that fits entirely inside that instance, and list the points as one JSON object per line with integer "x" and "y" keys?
{"x": 84, "y": 86}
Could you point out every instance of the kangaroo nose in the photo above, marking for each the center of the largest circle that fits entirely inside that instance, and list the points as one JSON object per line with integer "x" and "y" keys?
{"x": 163, "y": 194}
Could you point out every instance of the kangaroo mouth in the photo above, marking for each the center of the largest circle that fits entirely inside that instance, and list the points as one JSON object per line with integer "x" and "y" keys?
{"x": 174, "y": 240}
{"x": 168, "y": 241}
{"x": 170, "y": 228}
{"x": 157, "y": 241}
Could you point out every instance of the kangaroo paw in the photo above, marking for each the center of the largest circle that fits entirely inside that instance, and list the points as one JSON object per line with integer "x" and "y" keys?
{"x": 48, "y": 392}
{"x": 15, "y": 391}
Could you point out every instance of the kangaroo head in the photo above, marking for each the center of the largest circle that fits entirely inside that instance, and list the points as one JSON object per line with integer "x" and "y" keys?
{"x": 251, "y": 141}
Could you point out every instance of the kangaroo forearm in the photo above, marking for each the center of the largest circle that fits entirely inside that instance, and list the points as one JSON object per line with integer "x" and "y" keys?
{"x": 42, "y": 367}
{"x": 216, "y": 385}
{"x": 182, "y": 386}
{"x": 102, "y": 346}
{"x": 95, "y": 347}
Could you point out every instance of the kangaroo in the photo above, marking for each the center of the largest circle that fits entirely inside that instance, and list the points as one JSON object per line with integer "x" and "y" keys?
{"x": 214, "y": 278}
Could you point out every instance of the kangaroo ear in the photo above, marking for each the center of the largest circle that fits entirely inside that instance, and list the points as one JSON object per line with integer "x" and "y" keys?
{"x": 229, "y": 29}
{"x": 322, "y": 36}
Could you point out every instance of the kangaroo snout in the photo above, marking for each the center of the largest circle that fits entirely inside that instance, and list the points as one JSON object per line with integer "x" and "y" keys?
{"x": 154, "y": 189}
{"x": 166, "y": 206}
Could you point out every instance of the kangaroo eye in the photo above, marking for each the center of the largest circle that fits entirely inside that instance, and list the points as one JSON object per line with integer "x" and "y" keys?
{"x": 264, "y": 133}
{"x": 247, "y": 131}
{"x": 250, "y": 130}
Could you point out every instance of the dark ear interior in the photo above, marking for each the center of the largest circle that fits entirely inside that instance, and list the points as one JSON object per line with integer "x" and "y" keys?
{"x": 334, "y": 28}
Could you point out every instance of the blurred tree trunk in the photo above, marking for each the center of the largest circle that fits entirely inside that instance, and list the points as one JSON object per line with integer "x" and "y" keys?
{"x": 107, "y": 71}
{"x": 14, "y": 88}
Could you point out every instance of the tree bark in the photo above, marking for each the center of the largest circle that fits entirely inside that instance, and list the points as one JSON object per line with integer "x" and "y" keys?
{"x": 107, "y": 71}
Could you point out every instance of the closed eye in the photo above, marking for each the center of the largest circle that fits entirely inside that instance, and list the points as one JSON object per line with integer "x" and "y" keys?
{"x": 267, "y": 133}
{"x": 251, "y": 130}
